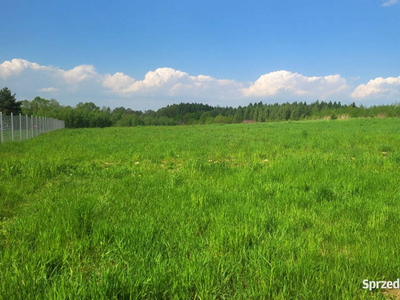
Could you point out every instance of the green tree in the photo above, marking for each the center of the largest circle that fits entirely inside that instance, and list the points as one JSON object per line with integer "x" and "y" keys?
{"x": 239, "y": 115}
{"x": 261, "y": 115}
{"x": 284, "y": 112}
{"x": 220, "y": 119}
{"x": 254, "y": 115}
{"x": 296, "y": 113}
{"x": 204, "y": 116}
{"x": 40, "y": 106}
{"x": 88, "y": 106}
{"x": 8, "y": 103}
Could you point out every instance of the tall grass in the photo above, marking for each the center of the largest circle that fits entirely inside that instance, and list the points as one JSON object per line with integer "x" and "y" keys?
{"x": 302, "y": 210}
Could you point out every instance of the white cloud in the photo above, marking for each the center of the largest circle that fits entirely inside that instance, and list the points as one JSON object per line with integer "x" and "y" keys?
{"x": 389, "y": 3}
{"x": 162, "y": 78}
{"x": 118, "y": 82}
{"x": 294, "y": 84}
{"x": 79, "y": 73}
{"x": 169, "y": 82}
{"x": 49, "y": 89}
{"x": 83, "y": 83}
{"x": 16, "y": 66}
{"x": 378, "y": 87}
{"x": 165, "y": 86}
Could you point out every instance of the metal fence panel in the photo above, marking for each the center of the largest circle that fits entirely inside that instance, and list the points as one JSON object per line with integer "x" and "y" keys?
{"x": 19, "y": 127}
{"x": 1, "y": 127}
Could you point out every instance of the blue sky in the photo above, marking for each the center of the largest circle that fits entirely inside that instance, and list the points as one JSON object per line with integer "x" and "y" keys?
{"x": 147, "y": 54}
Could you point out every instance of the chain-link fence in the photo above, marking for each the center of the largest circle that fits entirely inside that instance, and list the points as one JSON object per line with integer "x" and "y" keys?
{"x": 19, "y": 127}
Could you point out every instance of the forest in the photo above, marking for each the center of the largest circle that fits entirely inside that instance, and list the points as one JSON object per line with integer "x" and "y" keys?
{"x": 90, "y": 115}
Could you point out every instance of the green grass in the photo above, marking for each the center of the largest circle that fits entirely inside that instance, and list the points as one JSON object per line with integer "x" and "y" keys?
{"x": 297, "y": 210}
{"x": 7, "y": 135}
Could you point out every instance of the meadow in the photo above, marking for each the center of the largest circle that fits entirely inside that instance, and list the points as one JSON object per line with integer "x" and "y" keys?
{"x": 293, "y": 210}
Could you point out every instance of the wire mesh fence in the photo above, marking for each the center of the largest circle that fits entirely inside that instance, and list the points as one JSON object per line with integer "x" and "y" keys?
{"x": 19, "y": 127}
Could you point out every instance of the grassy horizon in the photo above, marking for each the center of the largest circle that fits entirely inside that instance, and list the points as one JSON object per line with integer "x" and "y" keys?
{"x": 293, "y": 210}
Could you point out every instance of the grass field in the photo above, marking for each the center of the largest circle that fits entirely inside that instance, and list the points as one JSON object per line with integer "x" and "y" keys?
{"x": 301, "y": 210}
{"x": 7, "y": 135}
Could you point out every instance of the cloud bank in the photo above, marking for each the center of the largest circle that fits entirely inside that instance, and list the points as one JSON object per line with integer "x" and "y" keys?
{"x": 166, "y": 86}
{"x": 16, "y": 66}
{"x": 294, "y": 84}
{"x": 170, "y": 82}
{"x": 378, "y": 87}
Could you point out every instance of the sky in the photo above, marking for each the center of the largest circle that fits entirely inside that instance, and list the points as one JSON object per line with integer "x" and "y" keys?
{"x": 148, "y": 54}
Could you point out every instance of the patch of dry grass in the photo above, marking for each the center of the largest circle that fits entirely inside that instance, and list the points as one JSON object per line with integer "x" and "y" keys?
{"x": 344, "y": 117}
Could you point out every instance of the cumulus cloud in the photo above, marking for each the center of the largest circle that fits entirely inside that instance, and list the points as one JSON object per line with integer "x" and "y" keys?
{"x": 49, "y": 89}
{"x": 378, "y": 87}
{"x": 16, "y": 66}
{"x": 171, "y": 82}
{"x": 389, "y": 3}
{"x": 294, "y": 84}
{"x": 153, "y": 80}
{"x": 83, "y": 83}
{"x": 79, "y": 73}
{"x": 164, "y": 86}
{"x": 119, "y": 82}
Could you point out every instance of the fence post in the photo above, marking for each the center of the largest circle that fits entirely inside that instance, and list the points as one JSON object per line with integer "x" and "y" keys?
{"x": 12, "y": 126}
{"x": 1, "y": 126}
{"x": 20, "y": 127}
{"x": 27, "y": 127}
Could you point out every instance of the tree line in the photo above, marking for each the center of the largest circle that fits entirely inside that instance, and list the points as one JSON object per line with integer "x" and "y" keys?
{"x": 90, "y": 115}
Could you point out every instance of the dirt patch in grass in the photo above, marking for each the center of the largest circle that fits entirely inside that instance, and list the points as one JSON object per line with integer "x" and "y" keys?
{"x": 393, "y": 294}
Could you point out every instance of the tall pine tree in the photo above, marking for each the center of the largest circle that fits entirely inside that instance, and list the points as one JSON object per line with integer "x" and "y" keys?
{"x": 8, "y": 103}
